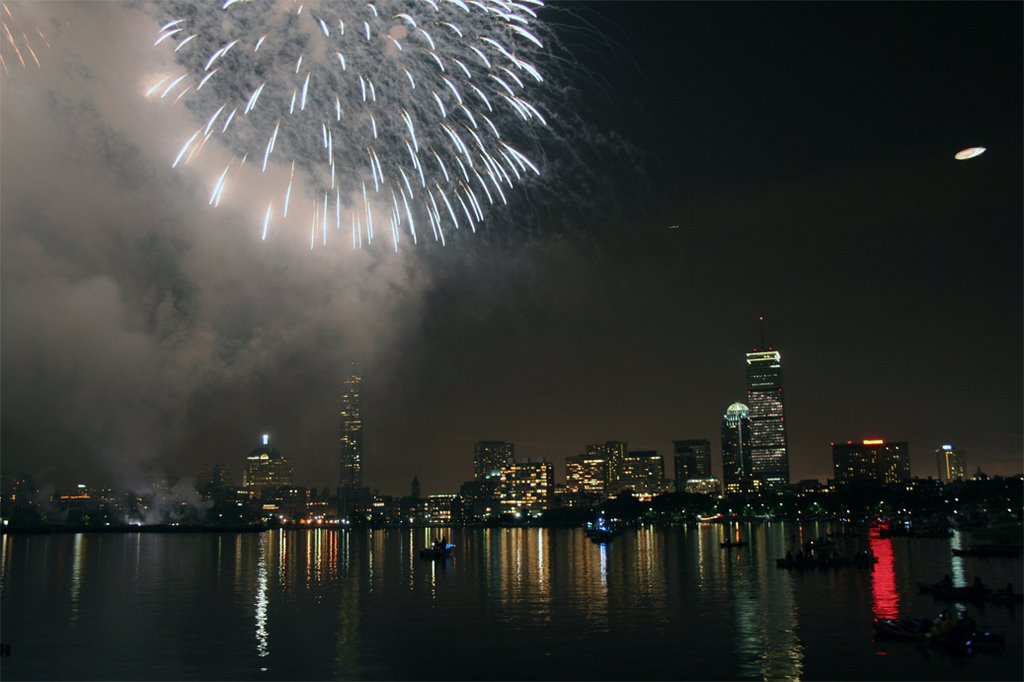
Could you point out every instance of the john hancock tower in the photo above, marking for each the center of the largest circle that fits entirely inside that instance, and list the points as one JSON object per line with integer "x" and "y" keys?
{"x": 769, "y": 455}
{"x": 351, "y": 453}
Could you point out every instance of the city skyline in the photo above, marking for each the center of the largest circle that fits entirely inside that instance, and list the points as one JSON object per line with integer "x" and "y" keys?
{"x": 772, "y": 164}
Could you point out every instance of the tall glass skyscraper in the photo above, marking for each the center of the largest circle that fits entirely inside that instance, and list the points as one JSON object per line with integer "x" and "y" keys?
{"x": 351, "y": 453}
{"x": 769, "y": 454}
{"x": 736, "y": 455}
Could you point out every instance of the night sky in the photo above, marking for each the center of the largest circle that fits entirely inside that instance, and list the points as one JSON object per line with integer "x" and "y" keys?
{"x": 788, "y": 160}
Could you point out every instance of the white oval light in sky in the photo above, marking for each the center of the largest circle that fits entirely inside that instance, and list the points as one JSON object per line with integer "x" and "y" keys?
{"x": 969, "y": 153}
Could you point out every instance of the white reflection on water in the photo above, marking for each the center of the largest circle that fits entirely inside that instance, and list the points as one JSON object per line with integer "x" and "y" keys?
{"x": 282, "y": 558}
{"x": 262, "y": 636}
{"x": 765, "y": 612}
{"x": 433, "y": 580}
{"x": 604, "y": 567}
{"x": 5, "y": 560}
{"x": 956, "y": 564}
{"x": 76, "y": 576}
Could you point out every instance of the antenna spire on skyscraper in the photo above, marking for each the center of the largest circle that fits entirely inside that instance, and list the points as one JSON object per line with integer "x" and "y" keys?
{"x": 760, "y": 320}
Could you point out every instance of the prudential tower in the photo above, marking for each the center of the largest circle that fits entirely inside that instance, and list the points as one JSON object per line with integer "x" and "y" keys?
{"x": 765, "y": 398}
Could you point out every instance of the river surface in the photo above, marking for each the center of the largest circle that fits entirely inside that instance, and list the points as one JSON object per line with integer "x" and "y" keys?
{"x": 523, "y": 603}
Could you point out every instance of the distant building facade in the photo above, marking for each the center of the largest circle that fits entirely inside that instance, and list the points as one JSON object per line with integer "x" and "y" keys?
{"x": 736, "y": 450}
{"x": 587, "y": 474}
{"x": 526, "y": 487}
{"x": 266, "y": 468}
{"x": 643, "y": 472}
{"x": 692, "y": 459}
{"x": 702, "y": 486}
{"x": 871, "y": 459}
{"x": 489, "y": 456}
{"x": 768, "y": 446}
{"x": 613, "y": 452}
{"x": 952, "y": 463}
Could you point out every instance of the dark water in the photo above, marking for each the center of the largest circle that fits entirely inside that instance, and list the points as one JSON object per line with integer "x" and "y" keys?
{"x": 512, "y": 604}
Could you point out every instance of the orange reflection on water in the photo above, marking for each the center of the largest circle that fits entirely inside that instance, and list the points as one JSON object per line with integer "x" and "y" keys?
{"x": 885, "y": 598}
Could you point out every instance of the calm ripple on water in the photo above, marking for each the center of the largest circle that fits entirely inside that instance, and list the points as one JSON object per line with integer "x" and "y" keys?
{"x": 515, "y": 603}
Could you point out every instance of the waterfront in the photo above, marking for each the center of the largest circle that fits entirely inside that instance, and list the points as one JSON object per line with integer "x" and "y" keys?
{"x": 521, "y": 603}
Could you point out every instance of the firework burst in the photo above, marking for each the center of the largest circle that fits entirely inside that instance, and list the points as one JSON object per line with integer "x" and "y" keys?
{"x": 406, "y": 117}
{"x": 19, "y": 40}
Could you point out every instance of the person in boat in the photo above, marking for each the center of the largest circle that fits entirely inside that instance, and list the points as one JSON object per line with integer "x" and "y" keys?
{"x": 799, "y": 556}
{"x": 946, "y": 583}
{"x": 944, "y": 625}
{"x": 965, "y": 624}
{"x": 789, "y": 556}
{"x": 978, "y": 585}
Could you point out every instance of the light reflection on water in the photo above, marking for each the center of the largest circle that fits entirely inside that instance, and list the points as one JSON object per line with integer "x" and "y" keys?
{"x": 956, "y": 563}
{"x": 355, "y": 604}
{"x": 885, "y": 598}
{"x": 262, "y": 636}
{"x": 76, "y": 575}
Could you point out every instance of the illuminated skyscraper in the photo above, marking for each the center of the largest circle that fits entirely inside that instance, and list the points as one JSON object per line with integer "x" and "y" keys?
{"x": 952, "y": 463}
{"x": 351, "y": 453}
{"x": 489, "y": 456}
{"x": 265, "y": 468}
{"x": 736, "y": 450}
{"x": 872, "y": 459}
{"x": 769, "y": 453}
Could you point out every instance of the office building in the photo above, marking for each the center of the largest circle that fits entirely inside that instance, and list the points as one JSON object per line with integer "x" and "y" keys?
{"x": 692, "y": 460}
{"x": 643, "y": 472}
{"x": 526, "y": 487}
{"x": 265, "y": 467}
{"x": 871, "y": 460}
{"x": 586, "y": 474}
{"x": 442, "y": 509}
{"x": 489, "y": 456}
{"x": 952, "y": 464}
{"x": 736, "y": 450}
{"x": 613, "y": 452}
{"x": 351, "y": 440}
{"x": 768, "y": 447}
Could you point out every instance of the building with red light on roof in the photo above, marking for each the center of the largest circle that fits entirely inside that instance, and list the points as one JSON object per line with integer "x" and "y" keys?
{"x": 871, "y": 459}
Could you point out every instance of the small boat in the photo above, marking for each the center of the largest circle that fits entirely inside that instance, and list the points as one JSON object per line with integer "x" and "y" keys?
{"x": 801, "y": 562}
{"x": 865, "y": 557}
{"x": 843, "y": 533}
{"x": 908, "y": 629}
{"x": 974, "y": 593}
{"x": 600, "y": 531}
{"x": 957, "y": 637}
{"x": 1009, "y": 551}
{"x": 729, "y": 544}
{"x": 437, "y": 551}
{"x": 820, "y": 543}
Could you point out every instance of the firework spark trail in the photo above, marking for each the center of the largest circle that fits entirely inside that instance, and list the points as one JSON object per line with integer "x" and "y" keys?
{"x": 17, "y": 37}
{"x": 418, "y": 106}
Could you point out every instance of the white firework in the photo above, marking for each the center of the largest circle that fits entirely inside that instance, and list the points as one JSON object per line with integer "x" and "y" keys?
{"x": 419, "y": 106}
{"x": 19, "y": 39}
